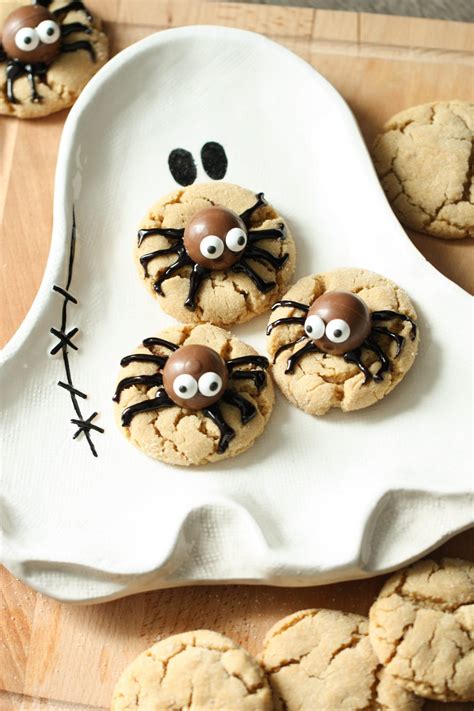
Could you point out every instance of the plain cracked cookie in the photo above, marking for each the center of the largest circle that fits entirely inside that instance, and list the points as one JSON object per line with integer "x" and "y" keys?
{"x": 214, "y": 253}
{"x": 341, "y": 339}
{"x": 199, "y": 670}
{"x": 422, "y": 629}
{"x": 193, "y": 395}
{"x": 322, "y": 659}
{"x": 48, "y": 53}
{"x": 424, "y": 158}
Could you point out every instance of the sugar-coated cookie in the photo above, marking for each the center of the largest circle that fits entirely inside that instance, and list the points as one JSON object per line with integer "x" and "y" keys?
{"x": 214, "y": 252}
{"x": 422, "y": 629}
{"x": 424, "y": 160}
{"x": 341, "y": 339}
{"x": 48, "y": 53}
{"x": 193, "y": 670}
{"x": 322, "y": 659}
{"x": 192, "y": 395}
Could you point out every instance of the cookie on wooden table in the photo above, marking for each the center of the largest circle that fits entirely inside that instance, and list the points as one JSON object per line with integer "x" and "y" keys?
{"x": 198, "y": 670}
{"x": 48, "y": 53}
{"x": 192, "y": 395}
{"x": 422, "y": 629}
{"x": 424, "y": 158}
{"x": 322, "y": 659}
{"x": 214, "y": 252}
{"x": 341, "y": 339}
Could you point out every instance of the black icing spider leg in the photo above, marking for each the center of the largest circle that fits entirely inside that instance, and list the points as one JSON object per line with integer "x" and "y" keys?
{"x": 153, "y": 341}
{"x": 15, "y": 70}
{"x": 286, "y": 346}
{"x": 75, "y": 5}
{"x": 287, "y": 319}
{"x": 169, "y": 232}
{"x": 296, "y": 357}
{"x": 399, "y": 340}
{"x": 259, "y": 361}
{"x": 263, "y": 255}
{"x": 389, "y": 315}
{"x": 31, "y": 72}
{"x": 384, "y": 361}
{"x": 286, "y": 303}
{"x": 271, "y": 233}
{"x": 226, "y": 432}
{"x": 258, "y": 377}
{"x": 146, "y": 258}
{"x": 246, "y": 408}
{"x": 159, "y": 402}
{"x": 155, "y": 379}
{"x": 80, "y": 44}
{"x": 3, "y": 54}
{"x": 247, "y": 214}
{"x": 71, "y": 27}
{"x": 197, "y": 275}
{"x": 356, "y": 358}
{"x": 182, "y": 261}
{"x": 244, "y": 268}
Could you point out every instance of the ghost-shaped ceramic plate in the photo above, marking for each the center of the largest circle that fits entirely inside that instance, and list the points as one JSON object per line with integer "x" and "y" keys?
{"x": 316, "y": 499}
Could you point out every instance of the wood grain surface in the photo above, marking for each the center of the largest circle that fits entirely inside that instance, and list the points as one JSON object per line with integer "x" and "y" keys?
{"x": 54, "y": 656}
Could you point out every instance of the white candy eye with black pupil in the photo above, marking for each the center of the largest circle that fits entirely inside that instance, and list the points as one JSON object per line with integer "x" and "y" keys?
{"x": 211, "y": 247}
{"x": 210, "y": 384}
{"x": 48, "y": 31}
{"x": 314, "y": 327}
{"x": 27, "y": 39}
{"x": 185, "y": 386}
{"x": 338, "y": 330}
{"x": 236, "y": 239}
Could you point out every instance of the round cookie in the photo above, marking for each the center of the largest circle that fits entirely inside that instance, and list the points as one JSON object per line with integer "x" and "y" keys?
{"x": 237, "y": 402}
{"x": 225, "y": 291}
{"x": 199, "y": 670}
{"x": 317, "y": 380}
{"x": 424, "y": 159}
{"x": 422, "y": 629}
{"x": 59, "y": 75}
{"x": 322, "y": 659}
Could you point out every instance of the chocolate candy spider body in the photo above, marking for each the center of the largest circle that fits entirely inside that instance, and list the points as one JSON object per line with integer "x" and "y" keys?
{"x": 32, "y": 38}
{"x": 215, "y": 239}
{"x": 340, "y": 323}
{"x": 194, "y": 377}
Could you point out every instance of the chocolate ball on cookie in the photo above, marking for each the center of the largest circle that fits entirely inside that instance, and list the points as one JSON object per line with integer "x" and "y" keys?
{"x": 215, "y": 253}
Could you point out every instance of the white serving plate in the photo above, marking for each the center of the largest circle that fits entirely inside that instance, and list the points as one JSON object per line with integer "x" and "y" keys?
{"x": 315, "y": 500}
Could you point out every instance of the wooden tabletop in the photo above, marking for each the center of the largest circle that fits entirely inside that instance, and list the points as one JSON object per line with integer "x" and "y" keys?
{"x": 54, "y": 656}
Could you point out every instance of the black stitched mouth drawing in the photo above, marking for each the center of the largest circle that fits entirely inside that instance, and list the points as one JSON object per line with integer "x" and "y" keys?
{"x": 183, "y": 166}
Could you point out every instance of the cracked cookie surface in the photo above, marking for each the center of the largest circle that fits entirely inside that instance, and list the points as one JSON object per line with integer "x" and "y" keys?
{"x": 66, "y": 77}
{"x": 187, "y": 437}
{"x": 193, "y": 671}
{"x": 422, "y": 629}
{"x": 322, "y": 659}
{"x": 322, "y": 381}
{"x": 224, "y": 298}
{"x": 424, "y": 158}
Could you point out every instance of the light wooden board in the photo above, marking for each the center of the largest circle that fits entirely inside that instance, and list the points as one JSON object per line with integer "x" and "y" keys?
{"x": 59, "y": 657}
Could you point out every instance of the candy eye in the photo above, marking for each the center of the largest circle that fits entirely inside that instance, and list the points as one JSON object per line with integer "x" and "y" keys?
{"x": 48, "y": 31}
{"x": 210, "y": 384}
{"x": 338, "y": 330}
{"x": 27, "y": 39}
{"x": 314, "y": 327}
{"x": 185, "y": 386}
{"x": 211, "y": 247}
{"x": 236, "y": 239}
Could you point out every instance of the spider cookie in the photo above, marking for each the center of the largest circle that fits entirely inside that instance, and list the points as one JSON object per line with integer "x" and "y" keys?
{"x": 424, "y": 161}
{"x": 48, "y": 52}
{"x": 215, "y": 252}
{"x": 322, "y": 659}
{"x": 193, "y": 395}
{"x": 341, "y": 339}
{"x": 422, "y": 628}
{"x": 193, "y": 670}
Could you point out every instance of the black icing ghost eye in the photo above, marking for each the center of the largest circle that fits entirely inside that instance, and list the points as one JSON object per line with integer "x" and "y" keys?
{"x": 338, "y": 330}
{"x": 214, "y": 160}
{"x": 27, "y": 39}
{"x": 185, "y": 386}
{"x": 236, "y": 239}
{"x": 48, "y": 31}
{"x": 314, "y": 327}
{"x": 210, "y": 384}
{"x": 182, "y": 166}
{"x": 211, "y": 247}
